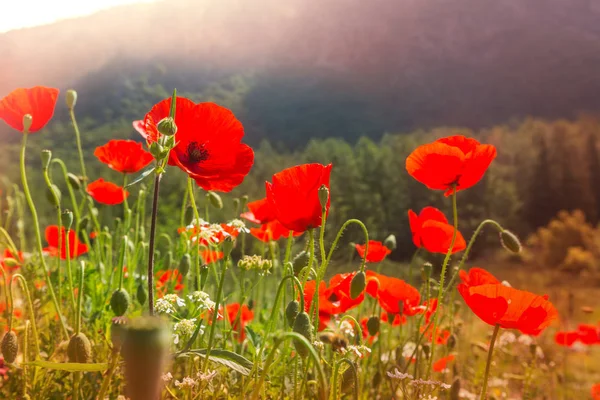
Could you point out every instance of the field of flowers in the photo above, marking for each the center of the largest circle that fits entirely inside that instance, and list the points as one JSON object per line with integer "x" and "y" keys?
{"x": 109, "y": 308}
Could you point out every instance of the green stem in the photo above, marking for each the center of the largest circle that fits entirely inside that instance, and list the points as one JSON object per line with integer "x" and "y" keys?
{"x": 78, "y": 140}
{"x": 23, "y": 282}
{"x": 341, "y": 232}
{"x": 150, "y": 273}
{"x": 271, "y": 320}
{"x": 79, "y": 299}
{"x": 211, "y": 336}
{"x": 36, "y": 228}
{"x": 111, "y": 369}
{"x": 489, "y": 362}
{"x": 68, "y": 259}
{"x": 443, "y": 277}
{"x": 122, "y": 261}
{"x": 196, "y": 225}
{"x": 288, "y": 248}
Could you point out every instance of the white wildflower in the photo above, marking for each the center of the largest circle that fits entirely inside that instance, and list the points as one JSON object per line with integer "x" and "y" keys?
{"x": 202, "y": 300}
{"x": 359, "y": 351}
{"x": 347, "y": 329}
{"x": 187, "y": 382}
{"x": 317, "y": 344}
{"x": 408, "y": 349}
{"x": 399, "y": 375}
{"x": 207, "y": 376}
{"x": 465, "y": 394}
{"x": 185, "y": 327}
{"x": 167, "y": 304}
{"x": 167, "y": 377}
{"x": 506, "y": 338}
{"x": 238, "y": 225}
{"x": 525, "y": 340}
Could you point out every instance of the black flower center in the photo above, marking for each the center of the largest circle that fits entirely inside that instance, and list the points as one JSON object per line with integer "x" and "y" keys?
{"x": 197, "y": 152}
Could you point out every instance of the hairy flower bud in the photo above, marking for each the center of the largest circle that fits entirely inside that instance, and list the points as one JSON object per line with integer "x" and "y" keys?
{"x": 358, "y": 284}
{"x": 79, "y": 349}
{"x": 46, "y": 156}
{"x": 302, "y": 326}
{"x": 300, "y": 261}
{"x": 53, "y": 195}
{"x": 74, "y": 181}
{"x": 215, "y": 200}
{"x": 67, "y": 218}
{"x": 227, "y": 246}
{"x": 141, "y": 294}
{"x": 118, "y": 330}
{"x": 10, "y": 347}
{"x": 373, "y": 325}
{"x": 27, "y": 121}
{"x": 291, "y": 312}
{"x": 323, "y": 196}
{"x": 157, "y": 150}
{"x": 167, "y": 126}
{"x": 510, "y": 241}
{"x": 119, "y": 302}
{"x": 71, "y": 98}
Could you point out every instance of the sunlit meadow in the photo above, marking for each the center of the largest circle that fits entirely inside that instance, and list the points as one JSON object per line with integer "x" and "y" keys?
{"x": 261, "y": 305}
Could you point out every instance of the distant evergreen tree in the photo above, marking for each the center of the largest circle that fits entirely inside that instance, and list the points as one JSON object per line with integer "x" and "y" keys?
{"x": 541, "y": 204}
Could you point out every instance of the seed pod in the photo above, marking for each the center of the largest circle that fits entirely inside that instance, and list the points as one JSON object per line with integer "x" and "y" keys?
{"x": 215, "y": 200}
{"x": 291, "y": 311}
{"x": 358, "y": 284}
{"x": 145, "y": 351}
{"x": 79, "y": 349}
{"x": 74, "y": 181}
{"x": 10, "y": 347}
{"x": 27, "y": 121}
{"x": 185, "y": 264}
{"x": 300, "y": 261}
{"x": 53, "y": 195}
{"x": 510, "y": 241}
{"x": 373, "y": 325}
{"x": 119, "y": 302}
{"x": 157, "y": 150}
{"x": 141, "y": 294}
{"x": 303, "y": 326}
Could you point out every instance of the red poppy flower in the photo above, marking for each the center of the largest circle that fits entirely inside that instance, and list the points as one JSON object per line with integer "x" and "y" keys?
{"x": 440, "y": 365}
{"x": 394, "y": 295}
{"x": 588, "y": 334}
{"x": 260, "y": 212}
{"x": 271, "y": 231}
{"x": 477, "y": 276}
{"x": 239, "y": 318}
{"x": 294, "y": 196}
{"x": 398, "y": 319}
{"x": 566, "y": 338}
{"x": 595, "y": 391}
{"x": 210, "y": 256}
{"x": 510, "y": 308}
{"x": 38, "y": 101}
{"x": 126, "y": 156}
{"x": 16, "y": 260}
{"x": 76, "y": 248}
{"x": 107, "y": 192}
{"x": 165, "y": 278}
{"x": 431, "y": 230}
{"x": 441, "y": 335}
{"x": 376, "y": 252}
{"x": 454, "y": 160}
{"x": 208, "y": 138}
{"x": 338, "y": 294}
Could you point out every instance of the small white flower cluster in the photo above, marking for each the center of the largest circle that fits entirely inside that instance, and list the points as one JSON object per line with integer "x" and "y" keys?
{"x": 347, "y": 329}
{"x": 525, "y": 340}
{"x": 465, "y": 394}
{"x": 202, "y": 300}
{"x": 506, "y": 338}
{"x": 166, "y": 304}
{"x": 359, "y": 351}
{"x": 399, "y": 375}
{"x": 255, "y": 262}
{"x": 318, "y": 345}
{"x": 186, "y": 383}
{"x": 167, "y": 377}
{"x": 238, "y": 225}
{"x": 408, "y": 349}
{"x": 207, "y": 376}
{"x": 184, "y": 328}
{"x": 422, "y": 382}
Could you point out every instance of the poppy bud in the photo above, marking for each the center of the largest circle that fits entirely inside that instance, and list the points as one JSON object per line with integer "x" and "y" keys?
{"x": 243, "y": 201}
{"x": 167, "y": 126}
{"x": 119, "y": 302}
{"x": 67, "y": 216}
{"x": 390, "y": 242}
{"x": 46, "y": 156}
{"x": 426, "y": 349}
{"x": 141, "y": 294}
{"x": 170, "y": 142}
{"x": 303, "y": 326}
{"x": 358, "y": 284}
{"x": 83, "y": 223}
{"x": 145, "y": 350}
{"x": 373, "y": 325}
{"x": 10, "y": 262}
{"x": 510, "y": 241}
{"x": 53, "y": 195}
{"x": 73, "y": 181}
{"x": 300, "y": 261}
{"x": 71, "y": 98}
{"x": 157, "y": 150}
{"x": 236, "y": 205}
{"x": 185, "y": 264}
{"x": 227, "y": 246}
{"x": 27, "y": 121}
{"x": 79, "y": 349}
{"x": 215, "y": 200}
{"x": 10, "y": 347}
{"x": 291, "y": 311}
{"x": 426, "y": 271}
{"x": 250, "y": 304}
{"x": 118, "y": 330}
{"x": 323, "y": 196}
{"x": 455, "y": 389}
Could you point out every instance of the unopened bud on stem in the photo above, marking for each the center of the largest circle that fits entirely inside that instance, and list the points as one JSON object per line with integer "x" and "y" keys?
{"x": 46, "y": 157}
{"x": 167, "y": 126}
{"x": 27, "y": 121}
{"x": 71, "y": 98}
{"x": 323, "y": 196}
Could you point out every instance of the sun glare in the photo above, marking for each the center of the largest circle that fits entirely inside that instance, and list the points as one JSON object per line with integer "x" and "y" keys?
{"x": 28, "y": 13}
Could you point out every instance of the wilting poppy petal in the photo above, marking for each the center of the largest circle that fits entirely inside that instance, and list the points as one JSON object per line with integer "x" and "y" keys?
{"x": 208, "y": 138}
{"x": 376, "y": 252}
{"x": 455, "y": 160}
{"x": 124, "y": 156}
{"x": 38, "y": 101}
{"x": 430, "y": 230}
{"x": 294, "y": 195}
{"x": 440, "y": 365}
{"x": 107, "y": 192}
{"x": 76, "y": 248}
{"x": 508, "y": 307}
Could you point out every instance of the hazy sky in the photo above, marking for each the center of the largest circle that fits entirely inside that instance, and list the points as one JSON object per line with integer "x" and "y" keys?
{"x": 26, "y": 13}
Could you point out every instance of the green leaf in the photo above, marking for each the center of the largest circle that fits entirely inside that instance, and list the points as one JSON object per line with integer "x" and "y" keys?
{"x": 71, "y": 367}
{"x": 253, "y": 336}
{"x": 141, "y": 176}
{"x": 227, "y": 358}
